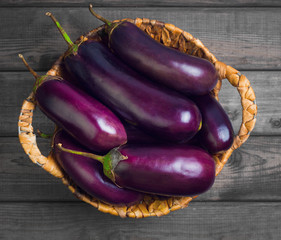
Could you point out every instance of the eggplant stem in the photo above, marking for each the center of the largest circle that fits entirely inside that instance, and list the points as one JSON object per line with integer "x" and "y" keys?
{"x": 85, "y": 154}
{"x": 36, "y": 76}
{"x": 107, "y": 22}
{"x": 44, "y": 135}
{"x": 63, "y": 33}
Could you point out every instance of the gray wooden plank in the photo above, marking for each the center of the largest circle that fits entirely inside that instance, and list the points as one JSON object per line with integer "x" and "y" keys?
{"x": 21, "y": 180}
{"x": 251, "y": 174}
{"x": 200, "y": 221}
{"x": 246, "y": 38}
{"x": 143, "y": 3}
{"x": 17, "y": 86}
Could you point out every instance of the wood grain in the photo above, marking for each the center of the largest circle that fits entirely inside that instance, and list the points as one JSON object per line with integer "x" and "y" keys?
{"x": 17, "y": 86}
{"x": 21, "y": 180}
{"x": 251, "y": 174}
{"x": 139, "y": 3}
{"x": 208, "y": 221}
{"x": 245, "y": 201}
{"x": 245, "y": 38}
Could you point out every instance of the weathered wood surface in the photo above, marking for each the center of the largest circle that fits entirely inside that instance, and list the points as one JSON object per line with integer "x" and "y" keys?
{"x": 245, "y": 201}
{"x": 251, "y": 174}
{"x": 245, "y": 38}
{"x": 142, "y": 3}
{"x": 17, "y": 86}
{"x": 200, "y": 221}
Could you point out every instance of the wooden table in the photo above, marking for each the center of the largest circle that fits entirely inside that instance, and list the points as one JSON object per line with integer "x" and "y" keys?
{"x": 245, "y": 201}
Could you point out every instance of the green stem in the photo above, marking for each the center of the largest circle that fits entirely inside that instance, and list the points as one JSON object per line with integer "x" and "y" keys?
{"x": 85, "y": 154}
{"x": 44, "y": 135}
{"x": 63, "y": 33}
{"x": 107, "y": 22}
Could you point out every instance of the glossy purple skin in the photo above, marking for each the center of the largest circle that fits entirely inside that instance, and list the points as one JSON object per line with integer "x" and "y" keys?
{"x": 86, "y": 119}
{"x": 165, "y": 170}
{"x": 216, "y": 134}
{"x": 154, "y": 109}
{"x": 180, "y": 71}
{"x": 88, "y": 174}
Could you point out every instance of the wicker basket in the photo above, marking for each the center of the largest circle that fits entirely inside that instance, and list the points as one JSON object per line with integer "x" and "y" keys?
{"x": 171, "y": 36}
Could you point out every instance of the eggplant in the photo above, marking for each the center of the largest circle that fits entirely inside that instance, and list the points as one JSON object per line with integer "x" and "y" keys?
{"x": 174, "y": 170}
{"x": 217, "y": 133}
{"x": 88, "y": 174}
{"x": 83, "y": 117}
{"x": 154, "y": 109}
{"x": 182, "y": 72}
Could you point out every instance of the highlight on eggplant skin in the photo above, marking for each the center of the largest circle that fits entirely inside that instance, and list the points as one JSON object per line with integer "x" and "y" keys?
{"x": 88, "y": 174}
{"x": 168, "y": 170}
{"x": 132, "y": 97}
{"x": 216, "y": 134}
{"x": 153, "y": 108}
{"x": 129, "y": 171}
{"x": 165, "y": 170}
{"x": 183, "y": 72}
{"x": 180, "y": 71}
{"x": 86, "y": 119}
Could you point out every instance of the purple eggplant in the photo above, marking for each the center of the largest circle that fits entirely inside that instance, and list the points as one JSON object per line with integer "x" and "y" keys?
{"x": 154, "y": 109}
{"x": 216, "y": 134}
{"x": 182, "y": 72}
{"x": 164, "y": 170}
{"x": 83, "y": 117}
{"x": 88, "y": 174}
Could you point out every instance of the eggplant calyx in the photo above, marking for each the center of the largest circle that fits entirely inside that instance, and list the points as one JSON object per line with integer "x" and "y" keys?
{"x": 111, "y": 160}
{"x": 73, "y": 49}
{"x": 43, "y": 79}
{"x": 38, "y": 82}
{"x": 109, "y": 25}
{"x": 110, "y": 29}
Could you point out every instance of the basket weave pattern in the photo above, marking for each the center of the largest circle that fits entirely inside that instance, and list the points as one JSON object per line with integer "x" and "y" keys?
{"x": 174, "y": 37}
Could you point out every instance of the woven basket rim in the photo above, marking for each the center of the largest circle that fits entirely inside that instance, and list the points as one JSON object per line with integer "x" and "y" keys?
{"x": 151, "y": 206}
